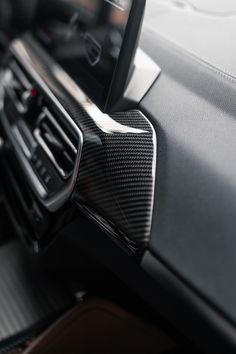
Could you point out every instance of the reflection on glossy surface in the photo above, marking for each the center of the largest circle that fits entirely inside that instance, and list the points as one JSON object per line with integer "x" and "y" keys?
{"x": 116, "y": 176}
{"x": 102, "y": 120}
{"x": 86, "y": 37}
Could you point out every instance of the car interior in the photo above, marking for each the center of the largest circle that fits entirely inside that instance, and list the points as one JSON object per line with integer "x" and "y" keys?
{"x": 118, "y": 175}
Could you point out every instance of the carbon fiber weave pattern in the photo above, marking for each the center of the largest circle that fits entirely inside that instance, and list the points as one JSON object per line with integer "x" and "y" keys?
{"x": 116, "y": 179}
{"x": 117, "y": 171}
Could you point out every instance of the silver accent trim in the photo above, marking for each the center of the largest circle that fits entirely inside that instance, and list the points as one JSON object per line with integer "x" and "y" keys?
{"x": 48, "y": 153}
{"x": 20, "y": 75}
{"x": 58, "y": 200}
{"x": 21, "y": 142}
{"x": 154, "y": 165}
{"x": 58, "y": 127}
{"x": 145, "y": 73}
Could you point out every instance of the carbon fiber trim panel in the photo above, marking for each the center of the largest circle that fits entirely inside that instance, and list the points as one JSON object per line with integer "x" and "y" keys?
{"x": 115, "y": 177}
{"x": 117, "y": 172}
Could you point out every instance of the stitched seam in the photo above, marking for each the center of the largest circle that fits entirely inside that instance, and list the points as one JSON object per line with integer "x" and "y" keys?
{"x": 225, "y": 74}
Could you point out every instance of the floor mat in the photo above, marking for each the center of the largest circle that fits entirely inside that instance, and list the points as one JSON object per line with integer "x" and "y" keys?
{"x": 29, "y": 299}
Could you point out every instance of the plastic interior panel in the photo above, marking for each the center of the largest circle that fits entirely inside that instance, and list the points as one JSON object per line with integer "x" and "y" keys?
{"x": 118, "y": 163}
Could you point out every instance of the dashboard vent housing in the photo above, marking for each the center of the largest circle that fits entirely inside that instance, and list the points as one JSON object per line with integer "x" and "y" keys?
{"x": 58, "y": 142}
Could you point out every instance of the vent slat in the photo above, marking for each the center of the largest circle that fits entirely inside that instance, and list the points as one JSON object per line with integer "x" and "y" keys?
{"x": 59, "y": 141}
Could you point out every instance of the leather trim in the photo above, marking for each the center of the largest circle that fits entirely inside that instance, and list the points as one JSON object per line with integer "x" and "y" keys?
{"x": 97, "y": 326}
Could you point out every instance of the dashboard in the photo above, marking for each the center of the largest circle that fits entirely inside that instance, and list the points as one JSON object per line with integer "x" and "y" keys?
{"x": 94, "y": 41}
{"x": 103, "y": 167}
{"x": 152, "y": 165}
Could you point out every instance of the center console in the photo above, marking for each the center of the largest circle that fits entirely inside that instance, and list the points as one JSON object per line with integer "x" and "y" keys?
{"x": 42, "y": 150}
{"x": 47, "y": 142}
{"x": 61, "y": 148}
{"x": 63, "y": 151}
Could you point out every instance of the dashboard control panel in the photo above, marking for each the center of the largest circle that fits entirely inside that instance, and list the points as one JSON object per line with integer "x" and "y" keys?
{"x": 70, "y": 155}
{"x": 47, "y": 143}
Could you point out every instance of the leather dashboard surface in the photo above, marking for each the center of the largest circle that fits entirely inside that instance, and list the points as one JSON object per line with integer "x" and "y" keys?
{"x": 204, "y": 28}
{"x": 193, "y": 108}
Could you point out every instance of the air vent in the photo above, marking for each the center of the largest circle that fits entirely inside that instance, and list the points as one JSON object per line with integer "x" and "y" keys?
{"x": 58, "y": 141}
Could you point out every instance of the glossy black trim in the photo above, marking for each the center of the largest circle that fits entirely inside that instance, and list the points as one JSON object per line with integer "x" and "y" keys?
{"x": 118, "y": 163}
